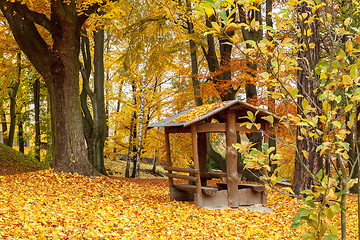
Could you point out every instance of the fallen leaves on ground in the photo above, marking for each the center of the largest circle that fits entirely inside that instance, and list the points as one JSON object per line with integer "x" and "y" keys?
{"x": 48, "y": 205}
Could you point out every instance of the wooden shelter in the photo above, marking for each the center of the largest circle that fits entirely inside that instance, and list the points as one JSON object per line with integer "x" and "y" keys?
{"x": 199, "y": 121}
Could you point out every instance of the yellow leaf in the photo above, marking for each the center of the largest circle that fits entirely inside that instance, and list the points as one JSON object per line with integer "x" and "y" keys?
{"x": 305, "y": 153}
{"x": 348, "y": 107}
{"x": 347, "y": 21}
{"x": 287, "y": 40}
{"x": 347, "y": 80}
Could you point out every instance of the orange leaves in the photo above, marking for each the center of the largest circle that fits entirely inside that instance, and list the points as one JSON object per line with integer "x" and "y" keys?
{"x": 198, "y": 112}
{"x": 47, "y": 205}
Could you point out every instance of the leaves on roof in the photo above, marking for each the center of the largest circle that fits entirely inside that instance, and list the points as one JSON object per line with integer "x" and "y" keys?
{"x": 197, "y": 112}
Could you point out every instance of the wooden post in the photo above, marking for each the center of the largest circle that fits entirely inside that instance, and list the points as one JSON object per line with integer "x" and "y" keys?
{"x": 231, "y": 159}
{"x": 202, "y": 155}
{"x": 198, "y": 194}
{"x": 168, "y": 156}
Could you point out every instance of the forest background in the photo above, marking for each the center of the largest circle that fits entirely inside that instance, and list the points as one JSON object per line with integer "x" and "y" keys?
{"x": 142, "y": 61}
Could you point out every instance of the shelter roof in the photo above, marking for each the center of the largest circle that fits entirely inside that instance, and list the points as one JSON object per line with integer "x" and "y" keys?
{"x": 197, "y": 114}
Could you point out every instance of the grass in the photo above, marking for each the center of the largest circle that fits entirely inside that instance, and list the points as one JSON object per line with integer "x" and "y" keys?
{"x": 15, "y": 162}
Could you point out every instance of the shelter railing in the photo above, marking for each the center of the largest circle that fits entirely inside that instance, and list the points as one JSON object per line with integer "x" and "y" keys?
{"x": 203, "y": 175}
{"x": 182, "y": 170}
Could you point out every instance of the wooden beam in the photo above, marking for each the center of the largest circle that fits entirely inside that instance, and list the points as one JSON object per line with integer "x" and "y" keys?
{"x": 198, "y": 194}
{"x": 210, "y": 191}
{"x": 187, "y": 177}
{"x": 210, "y": 175}
{"x": 179, "y": 169}
{"x": 210, "y": 127}
{"x": 231, "y": 159}
{"x": 202, "y": 155}
{"x": 168, "y": 156}
{"x": 179, "y": 129}
{"x": 221, "y": 128}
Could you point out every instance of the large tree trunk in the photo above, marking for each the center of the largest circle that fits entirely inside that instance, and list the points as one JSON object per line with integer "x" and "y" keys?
{"x": 307, "y": 82}
{"x": 59, "y": 65}
{"x": 69, "y": 142}
{"x": 222, "y": 75}
{"x": 221, "y": 70}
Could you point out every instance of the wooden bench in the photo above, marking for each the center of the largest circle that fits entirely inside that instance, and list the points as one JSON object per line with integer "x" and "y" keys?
{"x": 207, "y": 190}
{"x": 254, "y": 187}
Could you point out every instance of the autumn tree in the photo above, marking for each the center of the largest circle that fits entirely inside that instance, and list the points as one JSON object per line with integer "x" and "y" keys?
{"x": 58, "y": 63}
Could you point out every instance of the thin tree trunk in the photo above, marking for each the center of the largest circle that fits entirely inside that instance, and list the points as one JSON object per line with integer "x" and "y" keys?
{"x": 118, "y": 106}
{"x": 21, "y": 139}
{"x": 15, "y": 87}
{"x": 271, "y": 104}
{"x": 3, "y": 125}
{"x": 153, "y": 170}
{"x": 194, "y": 64}
{"x": 99, "y": 106}
{"x": 37, "y": 118}
{"x": 94, "y": 124}
{"x": 131, "y": 133}
{"x": 141, "y": 118}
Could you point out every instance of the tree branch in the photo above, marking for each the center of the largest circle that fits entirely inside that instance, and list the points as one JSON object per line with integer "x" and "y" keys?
{"x": 30, "y": 15}
{"x": 29, "y": 40}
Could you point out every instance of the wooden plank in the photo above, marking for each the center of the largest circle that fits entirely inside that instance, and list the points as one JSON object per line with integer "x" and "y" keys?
{"x": 210, "y": 175}
{"x": 210, "y": 191}
{"x": 211, "y": 127}
{"x": 198, "y": 195}
{"x": 179, "y": 129}
{"x": 187, "y": 177}
{"x": 179, "y": 169}
{"x": 168, "y": 156}
{"x": 231, "y": 159}
{"x": 221, "y": 128}
{"x": 185, "y": 187}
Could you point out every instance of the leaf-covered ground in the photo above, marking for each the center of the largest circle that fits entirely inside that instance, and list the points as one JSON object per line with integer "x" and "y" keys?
{"x": 47, "y": 205}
